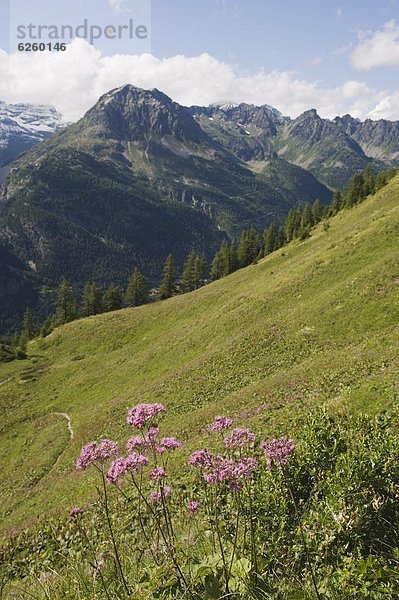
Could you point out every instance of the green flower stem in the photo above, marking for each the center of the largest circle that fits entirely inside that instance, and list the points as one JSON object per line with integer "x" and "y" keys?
{"x": 302, "y": 533}
{"x": 111, "y": 531}
{"x": 219, "y": 538}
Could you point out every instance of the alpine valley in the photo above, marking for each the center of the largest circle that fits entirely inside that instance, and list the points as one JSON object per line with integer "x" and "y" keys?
{"x": 140, "y": 177}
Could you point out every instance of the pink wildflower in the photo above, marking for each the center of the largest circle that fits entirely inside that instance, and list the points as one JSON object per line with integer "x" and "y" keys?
{"x": 221, "y": 423}
{"x": 235, "y": 485}
{"x": 211, "y": 477}
{"x": 168, "y": 443}
{"x": 116, "y": 470}
{"x": 120, "y": 466}
{"x": 193, "y": 506}
{"x": 245, "y": 467}
{"x": 222, "y": 470}
{"x": 135, "y": 462}
{"x": 152, "y": 433}
{"x": 75, "y": 512}
{"x": 157, "y": 474}
{"x": 136, "y": 442}
{"x": 143, "y": 441}
{"x": 201, "y": 459}
{"x": 96, "y": 452}
{"x": 239, "y": 438}
{"x": 277, "y": 452}
{"x": 230, "y": 472}
{"x": 156, "y": 497}
{"x": 139, "y": 415}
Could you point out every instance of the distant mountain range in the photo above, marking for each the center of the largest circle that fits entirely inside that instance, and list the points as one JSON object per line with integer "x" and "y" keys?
{"x": 22, "y": 126}
{"x": 139, "y": 177}
{"x": 331, "y": 150}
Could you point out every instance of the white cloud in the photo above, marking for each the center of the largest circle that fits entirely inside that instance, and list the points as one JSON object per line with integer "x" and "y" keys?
{"x": 378, "y": 48}
{"x": 339, "y": 12}
{"x": 388, "y": 108}
{"x": 342, "y": 49}
{"x": 316, "y": 61}
{"x": 74, "y": 80}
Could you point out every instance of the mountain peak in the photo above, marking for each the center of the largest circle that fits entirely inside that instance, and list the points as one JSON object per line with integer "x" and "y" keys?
{"x": 310, "y": 115}
{"x": 132, "y": 113}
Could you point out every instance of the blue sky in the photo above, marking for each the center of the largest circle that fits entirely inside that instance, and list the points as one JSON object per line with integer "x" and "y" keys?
{"x": 270, "y": 34}
{"x": 336, "y": 56}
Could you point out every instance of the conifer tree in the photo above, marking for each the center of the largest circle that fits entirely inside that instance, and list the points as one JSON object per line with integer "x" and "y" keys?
{"x": 168, "y": 282}
{"x": 92, "y": 302}
{"x": 233, "y": 257}
{"x": 137, "y": 289}
{"x": 293, "y": 224}
{"x": 248, "y": 248}
{"x": 369, "y": 181}
{"x": 112, "y": 299}
{"x": 29, "y": 327}
{"x": 189, "y": 278}
{"x": 307, "y": 218}
{"x": 289, "y": 225}
{"x": 337, "y": 203}
{"x": 317, "y": 211}
{"x": 270, "y": 239}
{"x": 65, "y": 303}
{"x": 221, "y": 263}
{"x": 281, "y": 239}
{"x": 193, "y": 275}
{"x": 46, "y": 327}
{"x": 255, "y": 244}
{"x": 200, "y": 270}
{"x": 380, "y": 180}
{"x": 355, "y": 191}
{"x": 243, "y": 252}
{"x": 22, "y": 342}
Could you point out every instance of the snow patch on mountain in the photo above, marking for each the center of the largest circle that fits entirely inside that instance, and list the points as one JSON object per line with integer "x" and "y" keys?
{"x": 24, "y": 125}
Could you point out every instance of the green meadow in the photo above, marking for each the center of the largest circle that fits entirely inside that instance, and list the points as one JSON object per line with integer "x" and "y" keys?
{"x": 315, "y": 323}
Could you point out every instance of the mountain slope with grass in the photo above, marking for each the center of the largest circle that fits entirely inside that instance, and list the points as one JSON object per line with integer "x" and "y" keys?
{"x": 136, "y": 179}
{"x": 313, "y": 323}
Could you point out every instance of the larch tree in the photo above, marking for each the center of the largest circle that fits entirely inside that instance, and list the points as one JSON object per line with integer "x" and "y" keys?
{"x": 168, "y": 284}
{"x": 137, "y": 289}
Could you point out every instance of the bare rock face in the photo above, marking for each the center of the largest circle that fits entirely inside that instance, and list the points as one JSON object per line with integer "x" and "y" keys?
{"x": 378, "y": 139}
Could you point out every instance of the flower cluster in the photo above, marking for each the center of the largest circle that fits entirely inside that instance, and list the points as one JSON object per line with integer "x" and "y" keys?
{"x": 96, "y": 452}
{"x": 239, "y": 438}
{"x": 277, "y": 452}
{"x": 193, "y": 506}
{"x": 221, "y": 423}
{"x": 139, "y": 415}
{"x": 75, "y": 512}
{"x": 168, "y": 443}
{"x": 133, "y": 463}
{"x": 138, "y": 442}
{"x": 157, "y": 474}
{"x": 157, "y": 496}
{"x": 149, "y": 441}
{"x": 201, "y": 459}
{"x": 245, "y": 467}
{"x": 218, "y": 469}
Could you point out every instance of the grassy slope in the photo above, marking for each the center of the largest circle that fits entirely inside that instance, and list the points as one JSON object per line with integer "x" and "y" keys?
{"x": 315, "y": 322}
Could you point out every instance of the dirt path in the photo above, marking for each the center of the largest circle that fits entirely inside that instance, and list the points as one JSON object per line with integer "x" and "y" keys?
{"x": 68, "y": 420}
